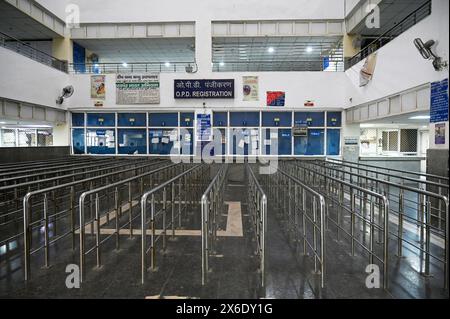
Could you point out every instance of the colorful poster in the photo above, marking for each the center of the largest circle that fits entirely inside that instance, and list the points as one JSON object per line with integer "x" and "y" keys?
{"x": 137, "y": 89}
{"x": 439, "y": 135}
{"x": 276, "y": 98}
{"x": 366, "y": 73}
{"x": 98, "y": 89}
{"x": 250, "y": 88}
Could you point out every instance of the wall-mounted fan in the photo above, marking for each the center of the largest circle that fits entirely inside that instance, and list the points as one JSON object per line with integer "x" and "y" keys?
{"x": 427, "y": 53}
{"x": 66, "y": 93}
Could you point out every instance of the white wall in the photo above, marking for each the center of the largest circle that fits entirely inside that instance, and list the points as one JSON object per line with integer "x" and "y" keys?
{"x": 350, "y": 5}
{"x": 399, "y": 65}
{"x": 26, "y": 80}
{"x": 326, "y": 89}
{"x": 183, "y": 10}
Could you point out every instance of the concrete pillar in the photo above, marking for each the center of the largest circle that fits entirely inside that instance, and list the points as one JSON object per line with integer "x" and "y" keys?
{"x": 62, "y": 49}
{"x": 349, "y": 49}
{"x": 61, "y": 133}
{"x": 203, "y": 46}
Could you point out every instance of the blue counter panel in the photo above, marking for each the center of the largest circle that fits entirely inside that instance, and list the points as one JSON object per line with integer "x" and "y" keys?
{"x": 284, "y": 141}
{"x": 220, "y": 119}
{"x": 277, "y": 119}
{"x": 333, "y": 142}
{"x": 78, "y": 141}
{"x": 132, "y": 119}
{"x": 312, "y": 119}
{"x": 187, "y": 119}
{"x": 160, "y": 141}
{"x": 101, "y": 119}
{"x": 244, "y": 119}
{"x": 313, "y": 144}
{"x": 101, "y": 141}
{"x": 77, "y": 119}
{"x": 132, "y": 141}
{"x": 334, "y": 119}
{"x": 163, "y": 119}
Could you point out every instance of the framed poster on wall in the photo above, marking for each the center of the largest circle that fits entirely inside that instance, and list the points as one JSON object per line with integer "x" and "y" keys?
{"x": 137, "y": 89}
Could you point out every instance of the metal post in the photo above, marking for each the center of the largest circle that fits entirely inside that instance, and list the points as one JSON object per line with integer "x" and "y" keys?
{"x": 46, "y": 255}
{"x": 97, "y": 231}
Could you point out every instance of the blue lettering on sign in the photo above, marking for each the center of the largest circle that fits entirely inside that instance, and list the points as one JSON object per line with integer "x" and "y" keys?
{"x": 439, "y": 102}
{"x": 204, "y": 89}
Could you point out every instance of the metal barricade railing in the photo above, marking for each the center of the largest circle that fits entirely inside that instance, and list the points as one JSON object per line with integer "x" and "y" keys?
{"x": 299, "y": 206}
{"x": 11, "y": 167}
{"x": 38, "y": 213}
{"x": 436, "y": 178}
{"x": 257, "y": 207}
{"x": 418, "y": 215}
{"x": 10, "y": 196}
{"x": 212, "y": 205}
{"x": 11, "y": 206}
{"x": 32, "y": 174}
{"x": 437, "y": 209}
{"x": 173, "y": 197}
{"x": 343, "y": 196}
{"x": 127, "y": 191}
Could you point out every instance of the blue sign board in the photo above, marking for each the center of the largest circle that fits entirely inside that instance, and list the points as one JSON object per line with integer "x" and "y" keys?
{"x": 204, "y": 89}
{"x": 439, "y": 102}
{"x": 204, "y": 133}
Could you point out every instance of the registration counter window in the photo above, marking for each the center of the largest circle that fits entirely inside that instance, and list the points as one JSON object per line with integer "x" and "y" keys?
{"x": 132, "y": 141}
{"x": 101, "y": 141}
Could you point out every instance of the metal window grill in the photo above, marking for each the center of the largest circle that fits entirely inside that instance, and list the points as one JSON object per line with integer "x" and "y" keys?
{"x": 27, "y": 137}
{"x": 8, "y": 138}
{"x": 44, "y": 138}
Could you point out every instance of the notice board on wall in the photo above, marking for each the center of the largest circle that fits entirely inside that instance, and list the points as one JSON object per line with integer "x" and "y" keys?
{"x": 439, "y": 102}
{"x": 137, "y": 89}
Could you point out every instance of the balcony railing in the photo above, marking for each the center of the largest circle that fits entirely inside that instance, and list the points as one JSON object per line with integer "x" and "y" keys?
{"x": 410, "y": 21}
{"x": 25, "y": 49}
{"x": 319, "y": 65}
{"x": 135, "y": 67}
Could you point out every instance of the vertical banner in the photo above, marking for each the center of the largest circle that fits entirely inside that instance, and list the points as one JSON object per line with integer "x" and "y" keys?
{"x": 203, "y": 126}
{"x": 276, "y": 98}
{"x": 366, "y": 73}
{"x": 250, "y": 88}
{"x": 98, "y": 89}
{"x": 137, "y": 89}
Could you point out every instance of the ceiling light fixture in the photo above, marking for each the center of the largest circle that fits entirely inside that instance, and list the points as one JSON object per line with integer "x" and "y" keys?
{"x": 124, "y": 64}
{"x": 309, "y": 49}
{"x": 167, "y": 64}
{"x": 271, "y": 50}
{"x": 222, "y": 63}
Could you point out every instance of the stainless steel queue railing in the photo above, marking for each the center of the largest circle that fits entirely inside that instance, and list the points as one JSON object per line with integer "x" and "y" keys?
{"x": 212, "y": 206}
{"x": 257, "y": 207}
{"x": 302, "y": 210}
{"x": 424, "y": 183}
{"x": 342, "y": 199}
{"x": 168, "y": 202}
{"x": 35, "y": 174}
{"x": 38, "y": 214}
{"x": 401, "y": 214}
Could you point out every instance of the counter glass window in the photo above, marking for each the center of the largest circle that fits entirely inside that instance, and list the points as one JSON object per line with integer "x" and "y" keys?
{"x": 132, "y": 141}
{"x": 101, "y": 141}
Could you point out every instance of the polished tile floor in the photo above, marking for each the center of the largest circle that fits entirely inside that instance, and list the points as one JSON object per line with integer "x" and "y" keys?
{"x": 234, "y": 269}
